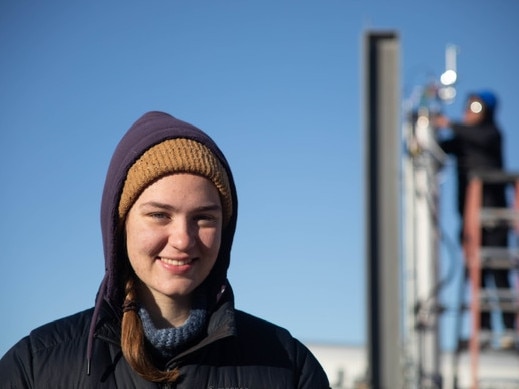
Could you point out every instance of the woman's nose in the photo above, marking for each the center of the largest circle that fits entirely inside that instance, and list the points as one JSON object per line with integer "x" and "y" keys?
{"x": 181, "y": 235}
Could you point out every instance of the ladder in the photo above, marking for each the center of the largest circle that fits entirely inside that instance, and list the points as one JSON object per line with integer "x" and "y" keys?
{"x": 480, "y": 257}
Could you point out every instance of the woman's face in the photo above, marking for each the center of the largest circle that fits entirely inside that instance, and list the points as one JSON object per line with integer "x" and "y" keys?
{"x": 173, "y": 234}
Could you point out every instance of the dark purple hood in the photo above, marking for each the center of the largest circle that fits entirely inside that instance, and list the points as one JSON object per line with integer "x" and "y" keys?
{"x": 150, "y": 129}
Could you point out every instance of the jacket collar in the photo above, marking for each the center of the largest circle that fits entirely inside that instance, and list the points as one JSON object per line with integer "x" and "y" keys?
{"x": 221, "y": 323}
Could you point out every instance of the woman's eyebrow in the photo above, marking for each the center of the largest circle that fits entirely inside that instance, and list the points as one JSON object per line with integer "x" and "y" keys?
{"x": 156, "y": 204}
{"x": 168, "y": 207}
{"x": 209, "y": 207}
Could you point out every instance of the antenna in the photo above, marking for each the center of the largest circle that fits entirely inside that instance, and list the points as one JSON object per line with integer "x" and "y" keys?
{"x": 447, "y": 91}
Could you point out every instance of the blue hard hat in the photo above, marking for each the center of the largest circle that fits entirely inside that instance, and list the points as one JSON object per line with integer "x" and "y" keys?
{"x": 488, "y": 98}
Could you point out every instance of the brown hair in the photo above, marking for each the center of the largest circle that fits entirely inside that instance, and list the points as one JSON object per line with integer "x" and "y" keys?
{"x": 132, "y": 341}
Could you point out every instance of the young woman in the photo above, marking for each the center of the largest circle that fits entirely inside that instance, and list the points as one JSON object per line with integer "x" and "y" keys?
{"x": 164, "y": 315}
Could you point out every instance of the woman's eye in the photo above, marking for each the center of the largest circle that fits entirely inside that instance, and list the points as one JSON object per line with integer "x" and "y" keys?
{"x": 205, "y": 218}
{"x": 158, "y": 215}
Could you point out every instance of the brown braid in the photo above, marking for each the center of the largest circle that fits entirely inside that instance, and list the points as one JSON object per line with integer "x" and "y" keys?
{"x": 132, "y": 341}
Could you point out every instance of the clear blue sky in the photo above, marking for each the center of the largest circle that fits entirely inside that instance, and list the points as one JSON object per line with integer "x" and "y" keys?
{"x": 278, "y": 85}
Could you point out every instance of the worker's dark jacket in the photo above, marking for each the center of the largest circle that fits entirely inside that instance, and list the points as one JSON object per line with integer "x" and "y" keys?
{"x": 240, "y": 351}
{"x": 476, "y": 148}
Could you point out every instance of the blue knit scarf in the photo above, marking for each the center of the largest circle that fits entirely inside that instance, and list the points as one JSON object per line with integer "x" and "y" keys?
{"x": 168, "y": 341}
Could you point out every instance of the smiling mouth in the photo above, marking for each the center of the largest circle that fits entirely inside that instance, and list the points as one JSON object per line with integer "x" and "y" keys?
{"x": 176, "y": 262}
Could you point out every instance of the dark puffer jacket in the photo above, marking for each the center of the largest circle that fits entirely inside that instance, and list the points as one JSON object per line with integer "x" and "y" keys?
{"x": 240, "y": 351}
{"x": 236, "y": 351}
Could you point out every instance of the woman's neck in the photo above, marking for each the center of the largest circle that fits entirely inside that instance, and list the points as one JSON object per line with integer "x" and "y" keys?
{"x": 165, "y": 311}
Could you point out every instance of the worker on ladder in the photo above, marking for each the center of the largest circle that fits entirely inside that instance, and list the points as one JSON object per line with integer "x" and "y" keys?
{"x": 476, "y": 143}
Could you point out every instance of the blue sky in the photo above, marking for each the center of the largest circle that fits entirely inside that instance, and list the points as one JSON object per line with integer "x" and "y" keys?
{"x": 277, "y": 84}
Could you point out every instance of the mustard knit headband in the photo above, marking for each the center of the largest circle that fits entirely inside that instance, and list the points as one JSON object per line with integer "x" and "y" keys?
{"x": 175, "y": 156}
